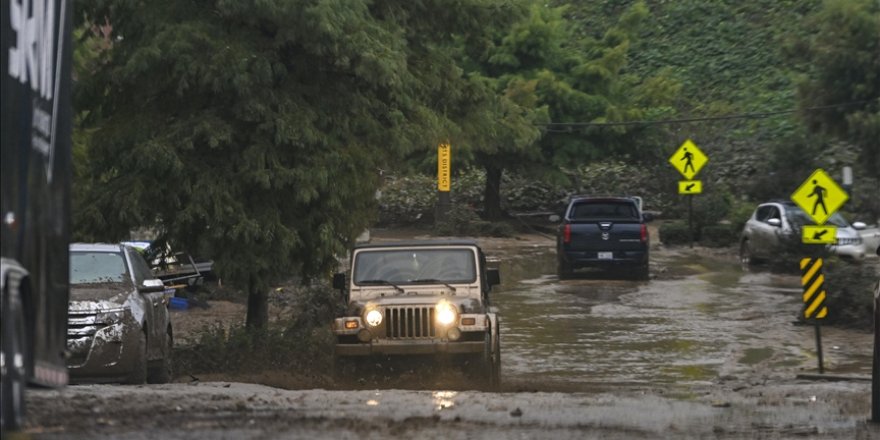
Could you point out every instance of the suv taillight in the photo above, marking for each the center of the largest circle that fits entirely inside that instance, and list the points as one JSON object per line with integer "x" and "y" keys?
{"x": 644, "y": 233}
{"x": 566, "y": 234}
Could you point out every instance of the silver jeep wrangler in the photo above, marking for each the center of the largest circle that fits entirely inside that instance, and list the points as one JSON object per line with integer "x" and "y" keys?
{"x": 420, "y": 298}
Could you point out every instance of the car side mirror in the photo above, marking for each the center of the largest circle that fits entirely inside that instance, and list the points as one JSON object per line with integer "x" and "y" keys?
{"x": 554, "y": 218}
{"x": 647, "y": 217}
{"x": 774, "y": 222}
{"x": 152, "y": 286}
{"x": 493, "y": 277}
{"x": 339, "y": 281}
{"x": 858, "y": 226}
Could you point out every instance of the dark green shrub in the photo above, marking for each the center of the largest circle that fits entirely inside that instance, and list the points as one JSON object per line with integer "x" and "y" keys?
{"x": 849, "y": 288}
{"x": 304, "y": 341}
{"x": 462, "y": 220}
{"x": 718, "y": 235}
{"x": 674, "y": 232}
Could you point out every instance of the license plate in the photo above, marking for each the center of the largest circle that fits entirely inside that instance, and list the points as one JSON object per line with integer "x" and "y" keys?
{"x": 606, "y": 255}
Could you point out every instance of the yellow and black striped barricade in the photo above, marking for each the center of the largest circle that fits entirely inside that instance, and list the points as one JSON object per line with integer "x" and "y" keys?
{"x": 814, "y": 298}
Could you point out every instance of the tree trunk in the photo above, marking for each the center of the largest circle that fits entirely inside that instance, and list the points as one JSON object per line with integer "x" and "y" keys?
{"x": 492, "y": 193}
{"x": 258, "y": 305}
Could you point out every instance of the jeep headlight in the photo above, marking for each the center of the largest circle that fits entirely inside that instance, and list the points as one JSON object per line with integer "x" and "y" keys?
{"x": 373, "y": 317}
{"x": 446, "y": 314}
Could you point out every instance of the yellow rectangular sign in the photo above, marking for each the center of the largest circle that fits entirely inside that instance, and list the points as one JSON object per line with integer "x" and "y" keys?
{"x": 444, "y": 166}
{"x": 819, "y": 234}
{"x": 690, "y": 187}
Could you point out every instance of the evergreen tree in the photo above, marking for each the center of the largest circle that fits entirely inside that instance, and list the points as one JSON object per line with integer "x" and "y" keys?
{"x": 252, "y": 130}
{"x": 844, "y": 52}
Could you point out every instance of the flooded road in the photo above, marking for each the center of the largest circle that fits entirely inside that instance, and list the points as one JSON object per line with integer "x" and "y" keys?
{"x": 699, "y": 321}
{"x": 702, "y": 350}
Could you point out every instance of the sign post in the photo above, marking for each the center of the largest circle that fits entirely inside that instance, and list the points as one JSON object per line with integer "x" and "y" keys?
{"x": 689, "y": 160}
{"x": 444, "y": 180}
{"x": 820, "y": 197}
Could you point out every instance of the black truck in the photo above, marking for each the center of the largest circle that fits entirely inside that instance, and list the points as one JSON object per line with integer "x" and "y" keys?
{"x": 34, "y": 198}
{"x": 603, "y": 232}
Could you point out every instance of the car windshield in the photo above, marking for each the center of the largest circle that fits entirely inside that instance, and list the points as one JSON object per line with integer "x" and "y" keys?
{"x": 797, "y": 217}
{"x": 605, "y": 210}
{"x": 414, "y": 266}
{"x": 97, "y": 267}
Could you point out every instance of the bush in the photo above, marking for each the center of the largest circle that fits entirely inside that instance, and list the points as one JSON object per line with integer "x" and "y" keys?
{"x": 674, "y": 232}
{"x": 849, "y": 288}
{"x": 718, "y": 235}
{"x": 462, "y": 220}
{"x": 302, "y": 342}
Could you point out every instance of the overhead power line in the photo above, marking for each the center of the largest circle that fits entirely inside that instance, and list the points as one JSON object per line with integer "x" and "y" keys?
{"x": 557, "y": 125}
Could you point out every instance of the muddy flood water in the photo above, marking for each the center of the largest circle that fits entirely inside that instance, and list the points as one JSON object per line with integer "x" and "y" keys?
{"x": 700, "y": 319}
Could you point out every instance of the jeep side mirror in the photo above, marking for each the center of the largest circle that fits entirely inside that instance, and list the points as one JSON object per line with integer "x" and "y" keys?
{"x": 774, "y": 222}
{"x": 647, "y": 217}
{"x": 493, "y": 277}
{"x": 858, "y": 226}
{"x": 339, "y": 281}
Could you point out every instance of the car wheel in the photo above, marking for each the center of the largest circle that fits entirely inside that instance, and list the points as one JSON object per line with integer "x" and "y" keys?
{"x": 138, "y": 373}
{"x": 563, "y": 269}
{"x": 746, "y": 258}
{"x": 13, "y": 385}
{"x": 643, "y": 273}
{"x": 490, "y": 364}
{"x": 163, "y": 372}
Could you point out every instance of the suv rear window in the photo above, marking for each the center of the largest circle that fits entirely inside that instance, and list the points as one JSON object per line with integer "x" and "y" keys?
{"x": 605, "y": 210}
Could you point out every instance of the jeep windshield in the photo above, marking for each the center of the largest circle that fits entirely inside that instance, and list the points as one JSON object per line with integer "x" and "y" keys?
{"x": 414, "y": 266}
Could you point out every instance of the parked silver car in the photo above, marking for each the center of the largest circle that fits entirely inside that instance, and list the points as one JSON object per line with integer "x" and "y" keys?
{"x": 774, "y": 225}
{"x": 119, "y": 327}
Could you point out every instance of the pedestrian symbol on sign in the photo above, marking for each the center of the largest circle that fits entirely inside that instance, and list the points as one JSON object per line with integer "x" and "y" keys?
{"x": 819, "y": 192}
{"x": 689, "y": 161}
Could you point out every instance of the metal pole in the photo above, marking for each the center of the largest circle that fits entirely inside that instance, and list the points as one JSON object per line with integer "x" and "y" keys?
{"x": 819, "y": 346}
{"x": 691, "y": 218}
{"x": 875, "y": 371}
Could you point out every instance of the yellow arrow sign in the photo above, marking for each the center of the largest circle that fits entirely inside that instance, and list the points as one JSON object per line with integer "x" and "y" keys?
{"x": 688, "y": 159}
{"x": 690, "y": 187}
{"x": 819, "y": 196}
{"x": 819, "y": 234}
{"x": 814, "y": 289}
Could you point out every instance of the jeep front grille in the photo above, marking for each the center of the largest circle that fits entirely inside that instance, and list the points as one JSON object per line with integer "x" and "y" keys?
{"x": 409, "y": 322}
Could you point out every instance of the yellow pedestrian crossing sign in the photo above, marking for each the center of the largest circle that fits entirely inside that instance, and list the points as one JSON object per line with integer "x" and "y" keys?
{"x": 688, "y": 159}
{"x": 690, "y": 186}
{"x": 820, "y": 196}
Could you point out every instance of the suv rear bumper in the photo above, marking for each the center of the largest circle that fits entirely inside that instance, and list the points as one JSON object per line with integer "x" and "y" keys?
{"x": 591, "y": 258}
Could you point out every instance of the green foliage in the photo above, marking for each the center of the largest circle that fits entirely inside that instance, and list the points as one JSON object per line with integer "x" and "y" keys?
{"x": 303, "y": 342}
{"x": 251, "y": 132}
{"x": 842, "y": 50}
{"x": 850, "y": 293}
{"x": 722, "y": 235}
{"x": 462, "y": 220}
{"x": 674, "y": 232}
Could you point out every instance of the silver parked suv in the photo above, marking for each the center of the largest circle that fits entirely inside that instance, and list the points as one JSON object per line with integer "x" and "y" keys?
{"x": 774, "y": 224}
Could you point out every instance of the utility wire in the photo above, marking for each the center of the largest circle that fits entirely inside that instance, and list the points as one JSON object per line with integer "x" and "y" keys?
{"x": 568, "y": 125}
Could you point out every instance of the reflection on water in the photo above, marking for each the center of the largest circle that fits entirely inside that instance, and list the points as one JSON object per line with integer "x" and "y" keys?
{"x": 444, "y": 399}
